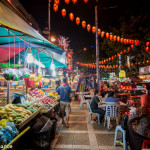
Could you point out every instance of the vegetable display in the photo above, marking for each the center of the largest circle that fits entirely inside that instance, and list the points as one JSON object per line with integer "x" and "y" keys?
{"x": 16, "y": 113}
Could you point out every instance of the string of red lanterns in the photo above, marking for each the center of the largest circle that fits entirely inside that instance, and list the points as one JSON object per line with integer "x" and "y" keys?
{"x": 100, "y": 33}
{"x": 93, "y": 65}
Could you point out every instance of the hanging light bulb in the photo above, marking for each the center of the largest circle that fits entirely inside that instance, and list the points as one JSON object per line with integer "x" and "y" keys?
{"x": 39, "y": 70}
{"x": 52, "y": 65}
{"x": 29, "y": 56}
{"x": 19, "y": 61}
{"x": 54, "y": 73}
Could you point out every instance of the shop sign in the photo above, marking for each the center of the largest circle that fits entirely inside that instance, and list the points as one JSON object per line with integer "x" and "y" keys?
{"x": 128, "y": 61}
{"x": 122, "y": 75}
{"x": 112, "y": 75}
{"x": 144, "y": 70}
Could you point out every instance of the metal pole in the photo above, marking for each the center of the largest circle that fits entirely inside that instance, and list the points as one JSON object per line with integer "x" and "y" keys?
{"x": 97, "y": 46}
{"x": 49, "y": 18}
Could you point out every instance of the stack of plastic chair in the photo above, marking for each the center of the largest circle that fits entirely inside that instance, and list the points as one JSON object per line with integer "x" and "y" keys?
{"x": 112, "y": 112}
{"x": 90, "y": 112}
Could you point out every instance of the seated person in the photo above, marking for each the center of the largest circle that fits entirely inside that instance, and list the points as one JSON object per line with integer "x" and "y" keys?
{"x": 142, "y": 127}
{"x": 111, "y": 98}
{"x": 94, "y": 107}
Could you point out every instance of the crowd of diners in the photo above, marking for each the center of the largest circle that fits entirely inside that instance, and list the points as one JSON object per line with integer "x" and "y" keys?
{"x": 138, "y": 115}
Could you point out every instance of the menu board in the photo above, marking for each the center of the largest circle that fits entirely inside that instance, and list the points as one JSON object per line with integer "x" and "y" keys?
{"x": 144, "y": 70}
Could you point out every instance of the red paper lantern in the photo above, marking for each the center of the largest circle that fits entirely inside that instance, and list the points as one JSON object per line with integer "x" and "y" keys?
{"x": 121, "y": 40}
{"x": 137, "y": 41}
{"x": 55, "y": 7}
{"x": 118, "y": 54}
{"x": 132, "y": 46}
{"x": 128, "y": 48}
{"x": 88, "y": 27}
{"x": 111, "y": 37}
{"x": 71, "y": 16}
{"x": 125, "y": 41}
{"x": 109, "y": 59}
{"x": 118, "y": 38}
{"x": 130, "y": 41}
{"x": 83, "y": 24}
{"x": 115, "y": 55}
{"x": 99, "y": 31}
{"x": 115, "y": 38}
{"x": 107, "y": 35}
{"x": 69, "y": 56}
{"x": 102, "y": 34}
{"x": 112, "y": 57}
{"x": 147, "y": 43}
{"x": 85, "y": 1}
{"x": 77, "y": 20}
{"x": 69, "y": 67}
{"x": 93, "y": 29}
{"x": 147, "y": 48}
{"x": 67, "y": 1}
{"x": 124, "y": 51}
{"x": 56, "y": 2}
{"x": 74, "y": 1}
{"x": 63, "y": 12}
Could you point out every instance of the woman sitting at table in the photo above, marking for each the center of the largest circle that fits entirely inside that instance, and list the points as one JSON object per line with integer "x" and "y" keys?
{"x": 111, "y": 98}
{"x": 94, "y": 106}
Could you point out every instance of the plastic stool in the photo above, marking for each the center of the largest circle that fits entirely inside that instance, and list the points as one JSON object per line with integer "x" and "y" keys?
{"x": 145, "y": 144}
{"x": 118, "y": 128}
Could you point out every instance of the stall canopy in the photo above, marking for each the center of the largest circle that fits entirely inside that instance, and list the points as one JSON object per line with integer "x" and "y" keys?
{"x": 16, "y": 35}
{"x": 40, "y": 52}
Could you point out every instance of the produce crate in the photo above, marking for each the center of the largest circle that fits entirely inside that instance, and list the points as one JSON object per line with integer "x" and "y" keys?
{"x": 22, "y": 124}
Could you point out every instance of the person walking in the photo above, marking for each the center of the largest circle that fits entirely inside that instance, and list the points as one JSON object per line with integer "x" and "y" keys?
{"x": 64, "y": 91}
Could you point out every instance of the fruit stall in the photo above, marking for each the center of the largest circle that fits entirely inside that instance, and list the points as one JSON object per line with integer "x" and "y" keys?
{"x": 21, "y": 116}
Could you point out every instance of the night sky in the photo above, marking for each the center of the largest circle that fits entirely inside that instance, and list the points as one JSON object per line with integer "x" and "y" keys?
{"x": 109, "y": 13}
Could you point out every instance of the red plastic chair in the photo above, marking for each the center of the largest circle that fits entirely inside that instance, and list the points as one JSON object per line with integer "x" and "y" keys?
{"x": 145, "y": 144}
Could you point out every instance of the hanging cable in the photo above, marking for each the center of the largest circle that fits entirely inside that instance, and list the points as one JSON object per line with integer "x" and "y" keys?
{"x": 14, "y": 52}
{"x": 9, "y": 48}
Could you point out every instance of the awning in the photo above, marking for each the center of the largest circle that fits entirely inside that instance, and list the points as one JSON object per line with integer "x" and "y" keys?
{"x": 41, "y": 57}
{"x": 44, "y": 52}
{"x": 17, "y": 26}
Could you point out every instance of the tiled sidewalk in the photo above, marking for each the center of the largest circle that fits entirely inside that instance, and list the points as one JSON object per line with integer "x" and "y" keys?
{"x": 82, "y": 135}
